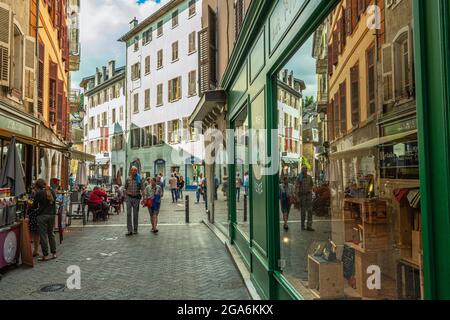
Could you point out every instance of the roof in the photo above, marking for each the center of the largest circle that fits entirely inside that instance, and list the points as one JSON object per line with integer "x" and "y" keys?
{"x": 118, "y": 73}
{"x": 151, "y": 19}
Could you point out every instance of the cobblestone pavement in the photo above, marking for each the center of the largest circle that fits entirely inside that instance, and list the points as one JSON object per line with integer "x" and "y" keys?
{"x": 181, "y": 262}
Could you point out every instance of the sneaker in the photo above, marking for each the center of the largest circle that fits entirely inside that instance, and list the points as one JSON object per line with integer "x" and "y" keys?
{"x": 129, "y": 234}
{"x": 135, "y": 232}
{"x": 310, "y": 229}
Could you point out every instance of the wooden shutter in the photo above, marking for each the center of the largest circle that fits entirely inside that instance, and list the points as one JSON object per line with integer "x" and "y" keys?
{"x": 343, "y": 107}
{"x": 170, "y": 90}
{"x": 335, "y": 47}
{"x": 354, "y": 14}
{"x": 361, "y": 7}
{"x": 337, "y": 120}
{"x": 342, "y": 33}
{"x": 330, "y": 60}
{"x": 5, "y": 43}
{"x": 203, "y": 61}
{"x": 388, "y": 73}
{"x": 60, "y": 107}
{"x": 40, "y": 78}
{"x": 28, "y": 70}
{"x": 331, "y": 120}
{"x": 239, "y": 17}
{"x": 348, "y": 17}
{"x": 354, "y": 78}
{"x": 212, "y": 33}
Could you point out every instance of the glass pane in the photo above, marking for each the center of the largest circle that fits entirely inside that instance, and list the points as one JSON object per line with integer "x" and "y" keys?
{"x": 241, "y": 129}
{"x": 350, "y": 220}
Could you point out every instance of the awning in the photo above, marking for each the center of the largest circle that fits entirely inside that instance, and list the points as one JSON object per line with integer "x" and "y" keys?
{"x": 102, "y": 162}
{"x": 208, "y": 107}
{"x": 82, "y": 156}
{"x": 33, "y": 141}
{"x": 375, "y": 142}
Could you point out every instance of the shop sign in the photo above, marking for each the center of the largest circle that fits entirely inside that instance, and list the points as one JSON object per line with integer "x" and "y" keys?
{"x": 282, "y": 16}
{"x": 400, "y": 127}
{"x": 16, "y": 126}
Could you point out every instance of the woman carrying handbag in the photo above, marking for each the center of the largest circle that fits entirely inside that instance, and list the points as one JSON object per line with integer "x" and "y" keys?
{"x": 152, "y": 200}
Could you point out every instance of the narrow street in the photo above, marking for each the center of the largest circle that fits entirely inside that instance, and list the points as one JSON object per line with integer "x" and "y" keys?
{"x": 181, "y": 262}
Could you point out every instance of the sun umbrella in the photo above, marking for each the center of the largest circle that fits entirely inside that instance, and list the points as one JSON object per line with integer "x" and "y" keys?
{"x": 119, "y": 179}
{"x": 81, "y": 178}
{"x": 12, "y": 175}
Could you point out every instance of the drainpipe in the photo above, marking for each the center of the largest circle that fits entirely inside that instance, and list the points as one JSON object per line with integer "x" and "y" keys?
{"x": 125, "y": 91}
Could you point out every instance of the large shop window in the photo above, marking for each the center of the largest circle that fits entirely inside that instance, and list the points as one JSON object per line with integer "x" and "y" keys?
{"x": 241, "y": 178}
{"x": 349, "y": 198}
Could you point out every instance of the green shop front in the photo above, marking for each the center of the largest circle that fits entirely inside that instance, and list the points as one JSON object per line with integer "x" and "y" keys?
{"x": 384, "y": 237}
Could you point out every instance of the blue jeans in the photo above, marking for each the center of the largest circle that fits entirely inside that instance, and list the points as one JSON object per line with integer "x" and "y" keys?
{"x": 174, "y": 195}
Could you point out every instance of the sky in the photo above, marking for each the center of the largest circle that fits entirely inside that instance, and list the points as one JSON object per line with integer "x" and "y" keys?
{"x": 304, "y": 67}
{"x": 102, "y": 22}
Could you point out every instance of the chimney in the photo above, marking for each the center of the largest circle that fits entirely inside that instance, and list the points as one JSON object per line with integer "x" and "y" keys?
{"x": 104, "y": 75}
{"x": 111, "y": 68}
{"x": 133, "y": 23}
{"x": 96, "y": 79}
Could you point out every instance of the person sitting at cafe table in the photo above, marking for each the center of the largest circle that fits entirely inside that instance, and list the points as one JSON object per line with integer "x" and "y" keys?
{"x": 98, "y": 202}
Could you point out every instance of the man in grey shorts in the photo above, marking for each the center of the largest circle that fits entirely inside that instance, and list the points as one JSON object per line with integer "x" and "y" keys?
{"x": 133, "y": 190}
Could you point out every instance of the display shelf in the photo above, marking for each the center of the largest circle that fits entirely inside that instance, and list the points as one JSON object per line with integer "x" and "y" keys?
{"x": 325, "y": 278}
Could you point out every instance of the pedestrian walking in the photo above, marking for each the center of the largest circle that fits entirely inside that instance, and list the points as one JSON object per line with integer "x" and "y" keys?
{"x": 133, "y": 189}
{"x": 238, "y": 187}
{"x": 32, "y": 221}
{"x": 173, "y": 188}
{"x": 286, "y": 196}
{"x": 199, "y": 187}
{"x": 246, "y": 183}
{"x": 152, "y": 200}
{"x": 304, "y": 186}
{"x": 163, "y": 181}
{"x": 178, "y": 185}
{"x": 181, "y": 187}
{"x": 45, "y": 205}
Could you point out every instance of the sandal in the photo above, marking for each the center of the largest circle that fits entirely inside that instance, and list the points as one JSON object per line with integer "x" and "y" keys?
{"x": 42, "y": 259}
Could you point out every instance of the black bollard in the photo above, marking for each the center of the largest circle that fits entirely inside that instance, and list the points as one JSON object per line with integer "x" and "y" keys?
{"x": 187, "y": 208}
{"x": 245, "y": 208}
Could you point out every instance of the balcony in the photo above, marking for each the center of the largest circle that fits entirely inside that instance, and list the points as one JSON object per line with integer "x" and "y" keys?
{"x": 75, "y": 100}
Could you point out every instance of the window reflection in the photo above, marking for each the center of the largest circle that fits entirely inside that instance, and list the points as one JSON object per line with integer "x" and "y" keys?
{"x": 358, "y": 151}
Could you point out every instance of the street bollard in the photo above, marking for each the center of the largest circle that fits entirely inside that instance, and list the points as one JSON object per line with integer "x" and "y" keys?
{"x": 187, "y": 209}
{"x": 245, "y": 208}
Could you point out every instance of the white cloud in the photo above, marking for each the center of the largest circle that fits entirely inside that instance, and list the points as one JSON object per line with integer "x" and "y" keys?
{"x": 102, "y": 22}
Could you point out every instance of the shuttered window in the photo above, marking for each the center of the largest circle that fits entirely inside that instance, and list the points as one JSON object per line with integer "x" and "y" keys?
{"x": 159, "y": 95}
{"x": 147, "y": 99}
{"x": 135, "y": 71}
{"x": 60, "y": 106}
{"x": 207, "y": 54}
{"x": 136, "y": 103}
{"x": 343, "y": 107}
{"x": 239, "y": 16}
{"x": 354, "y": 78}
{"x": 147, "y": 65}
{"x": 175, "y": 19}
{"x": 52, "y": 94}
{"x": 192, "y": 90}
{"x": 174, "y": 131}
{"x": 337, "y": 120}
{"x": 5, "y": 43}
{"x": 348, "y": 17}
{"x": 370, "y": 59}
{"x": 29, "y": 68}
{"x": 192, "y": 46}
{"x": 160, "y": 59}
{"x": 159, "y": 31}
{"x": 175, "y": 51}
{"x": 331, "y": 120}
{"x": 174, "y": 91}
{"x": 388, "y": 78}
{"x": 191, "y": 8}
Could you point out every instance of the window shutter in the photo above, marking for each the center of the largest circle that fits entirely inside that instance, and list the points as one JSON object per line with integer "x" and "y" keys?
{"x": 179, "y": 89}
{"x": 5, "y": 43}
{"x": 170, "y": 91}
{"x": 239, "y": 17}
{"x": 337, "y": 120}
{"x": 331, "y": 120}
{"x": 354, "y": 14}
{"x": 343, "y": 107}
{"x": 388, "y": 73}
{"x": 59, "y": 106}
{"x": 212, "y": 32}
{"x": 330, "y": 60}
{"x": 348, "y": 17}
{"x": 335, "y": 47}
{"x": 185, "y": 129}
{"x": 342, "y": 33}
{"x": 203, "y": 61}
{"x": 354, "y": 77}
{"x": 361, "y": 7}
{"x": 170, "y": 132}
{"x": 40, "y": 78}
{"x": 28, "y": 70}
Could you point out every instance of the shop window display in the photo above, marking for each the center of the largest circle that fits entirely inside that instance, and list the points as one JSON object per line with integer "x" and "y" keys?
{"x": 359, "y": 177}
